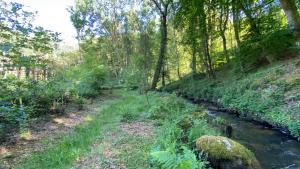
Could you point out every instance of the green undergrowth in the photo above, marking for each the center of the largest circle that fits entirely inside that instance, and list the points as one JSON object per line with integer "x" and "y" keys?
{"x": 180, "y": 124}
{"x": 23, "y": 100}
{"x": 270, "y": 94}
{"x": 176, "y": 126}
{"x": 71, "y": 146}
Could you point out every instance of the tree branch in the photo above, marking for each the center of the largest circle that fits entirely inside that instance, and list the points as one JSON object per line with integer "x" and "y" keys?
{"x": 158, "y": 5}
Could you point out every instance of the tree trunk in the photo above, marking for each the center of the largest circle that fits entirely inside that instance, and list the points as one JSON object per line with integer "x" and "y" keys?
{"x": 27, "y": 72}
{"x": 45, "y": 74}
{"x": 236, "y": 23}
{"x": 205, "y": 45}
{"x": 33, "y": 73}
{"x": 194, "y": 60}
{"x": 253, "y": 26}
{"x": 292, "y": 15}
{"x": 162, "y": 53}
{"x": 163, "y": 76}
{"x": 224, "y": 41}
{"x": 176, "y": 51}
{"x": 19, "y": 72}
{"x": 223, "y": 21}
{"x": 194, "y": 49}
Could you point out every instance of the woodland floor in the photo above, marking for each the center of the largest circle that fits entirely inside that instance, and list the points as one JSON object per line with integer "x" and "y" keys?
{"x": 112, "y": 149}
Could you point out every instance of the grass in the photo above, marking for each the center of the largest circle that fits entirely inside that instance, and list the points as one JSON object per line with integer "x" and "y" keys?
{"x": 269, "y": 94}
{"x": 75, "y": 145}
{"x": 103, "y": 141}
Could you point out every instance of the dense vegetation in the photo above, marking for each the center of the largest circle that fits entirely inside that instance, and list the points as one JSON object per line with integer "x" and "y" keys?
{"x": 164, "y": 149}
{"x": 240, "y": 54}
{"x": 268, "y": 95}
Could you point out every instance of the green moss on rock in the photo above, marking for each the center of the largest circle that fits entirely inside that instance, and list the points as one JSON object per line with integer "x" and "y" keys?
{"x": 225, "y": 153}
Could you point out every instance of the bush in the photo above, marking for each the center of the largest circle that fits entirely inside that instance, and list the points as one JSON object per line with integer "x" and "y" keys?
{"x": 22, "y": 100}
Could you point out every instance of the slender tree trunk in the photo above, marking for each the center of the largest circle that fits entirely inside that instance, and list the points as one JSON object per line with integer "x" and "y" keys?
{"x": 194, "y": 50}
{"x": 127, "y": 43}
{"x": 176, "y": 51}
{"x": 223, "y": 21}
{"x": 205, "y": 45}
{"x": 224, "y": 41}
{"x": 33, "y": 73}
{"x": 292, "y": 15}
{"x": 19, "y": 72}
{"x": 236, "y": 23}
{"x": 194, "y": 59}
{"x": 27, "y": 72}
{"x": 163, "y": 46}
{"x": 45, "y": 74}
{"x": 163, "y": 76}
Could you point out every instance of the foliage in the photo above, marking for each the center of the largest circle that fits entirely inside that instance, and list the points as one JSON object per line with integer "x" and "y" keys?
{"x": 269, "y": 94}
{"x": 22, "y": 100}
{"x": 200, "y": 128}
{"x": 169, "y": 160}
{"x": 174, "y": 143}
{"x": 266, "y": 49}
{"x": 128, "y": 115}
{"x": 71, "y": 146}
{"x": 168, "y": 107}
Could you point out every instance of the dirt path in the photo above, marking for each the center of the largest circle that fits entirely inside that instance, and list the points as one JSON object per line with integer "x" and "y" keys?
{"x": 47, "y": 131}
{"x": 121, "y": 144}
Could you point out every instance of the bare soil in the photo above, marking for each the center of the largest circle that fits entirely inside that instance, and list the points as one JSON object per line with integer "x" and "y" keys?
{"x": 47, "y": 131}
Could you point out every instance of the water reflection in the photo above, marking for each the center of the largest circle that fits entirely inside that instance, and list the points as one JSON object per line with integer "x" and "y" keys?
{"x": 272, "y": 149}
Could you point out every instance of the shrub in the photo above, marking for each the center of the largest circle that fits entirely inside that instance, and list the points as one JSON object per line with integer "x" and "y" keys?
{"x": 21, "y": 100}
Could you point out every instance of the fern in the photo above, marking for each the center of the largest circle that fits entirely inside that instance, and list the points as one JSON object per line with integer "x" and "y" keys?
{"x": 165, "y": 159}
{"x": 170, "y": 160}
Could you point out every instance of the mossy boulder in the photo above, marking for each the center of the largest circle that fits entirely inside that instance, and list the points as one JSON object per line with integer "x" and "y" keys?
{"x": 224, "y": 153}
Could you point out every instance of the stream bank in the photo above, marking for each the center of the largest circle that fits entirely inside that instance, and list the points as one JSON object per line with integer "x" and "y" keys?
{"x": 269, "y": 94}
{"x": 273, "y": 146}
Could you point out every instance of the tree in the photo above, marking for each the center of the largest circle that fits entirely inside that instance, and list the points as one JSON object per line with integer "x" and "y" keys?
{"x": 21, "y": 43}
{"x": 292, "y": 15}
{"x": 163, "y": 8}
{"x": 236, "y": 22}
{"x": 223, "y": 21}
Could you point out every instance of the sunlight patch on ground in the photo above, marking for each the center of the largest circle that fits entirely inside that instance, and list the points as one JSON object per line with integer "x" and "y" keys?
{"x": 27, "y": 136}
{"x": 88, "y": 118}
{"x": 70, "y": 121}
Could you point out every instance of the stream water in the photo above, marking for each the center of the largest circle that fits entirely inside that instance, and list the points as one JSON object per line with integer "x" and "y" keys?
{"x": 273, "y": 149}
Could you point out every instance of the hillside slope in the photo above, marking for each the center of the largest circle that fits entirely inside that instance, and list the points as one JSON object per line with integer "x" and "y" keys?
{"x": 270, "y": 94}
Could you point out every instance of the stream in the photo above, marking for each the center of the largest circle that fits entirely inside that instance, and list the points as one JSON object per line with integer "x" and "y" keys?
{"x": 273, "y": 149}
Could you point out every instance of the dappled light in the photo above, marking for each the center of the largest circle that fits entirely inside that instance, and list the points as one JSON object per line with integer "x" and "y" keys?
{"x": 162, "y": 84}
{"x": 27, "y": 135}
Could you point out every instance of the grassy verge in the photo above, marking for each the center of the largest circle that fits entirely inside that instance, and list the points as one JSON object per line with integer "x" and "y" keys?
{"x": 73, "y": 145}
{"x": 135, "y": 132}
{"x": 270, "y": 94}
